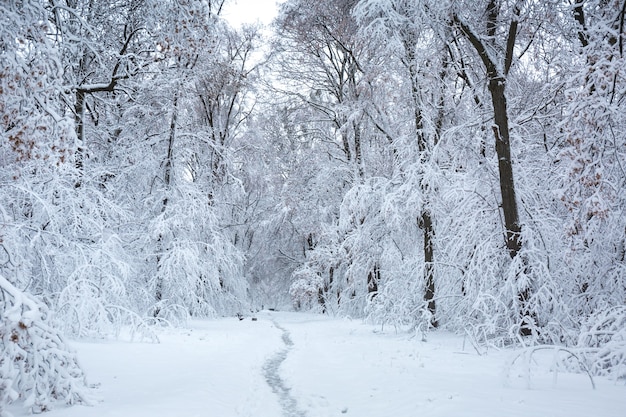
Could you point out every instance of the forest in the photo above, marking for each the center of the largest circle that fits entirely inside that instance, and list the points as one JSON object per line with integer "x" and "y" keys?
{"x": 419, "y": 164}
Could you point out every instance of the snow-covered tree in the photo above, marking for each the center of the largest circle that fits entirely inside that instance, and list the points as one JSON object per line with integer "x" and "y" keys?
{"x": 36, "y": 148}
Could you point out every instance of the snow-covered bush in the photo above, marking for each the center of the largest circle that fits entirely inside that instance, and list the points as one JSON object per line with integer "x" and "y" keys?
{"x": 195, "y": 265}
{"x": 400, "y": 303}
{"x": 602, "y": 341}
{"x": 37, "y": 367}
{"x": 306, "y": 288}
{"x": 59, "y": 226}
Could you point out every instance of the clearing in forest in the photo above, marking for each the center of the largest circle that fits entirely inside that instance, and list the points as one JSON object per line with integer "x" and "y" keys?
{"x": 296, "y": 365}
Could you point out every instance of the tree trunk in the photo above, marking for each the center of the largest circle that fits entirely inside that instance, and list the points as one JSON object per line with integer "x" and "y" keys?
{"x": 497, "y": 86}
{"x": 507, "y": 189}
{"x": 424, "y": 220}
{"x": 357, "y": 149}
{"x": 167, "y": 179}
{"x": 505, "y": 168}
{"x": 373, "y": 277}
{"x": 79, "y": 124}
{"x": 429, "y": 266}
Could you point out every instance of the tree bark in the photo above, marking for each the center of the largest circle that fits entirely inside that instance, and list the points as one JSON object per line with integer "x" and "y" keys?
{"x": 79, "y": 125}
{"x": 505, "y": 167}
{"x": 357, "y": 149}
{"x": 373, "y": 277}
{"x": 429, "y": 265}
{"x": 167, "y": 179}
{"x": 424, "y": 220}
{"x": 497, "y": 87}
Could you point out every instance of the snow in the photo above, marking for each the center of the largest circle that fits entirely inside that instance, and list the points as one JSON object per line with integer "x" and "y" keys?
{"x": 294, "y": 364}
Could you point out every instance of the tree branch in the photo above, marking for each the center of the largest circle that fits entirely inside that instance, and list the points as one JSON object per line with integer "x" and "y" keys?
{"x": 510, "y": 45}
{"x": 490, "y": 65}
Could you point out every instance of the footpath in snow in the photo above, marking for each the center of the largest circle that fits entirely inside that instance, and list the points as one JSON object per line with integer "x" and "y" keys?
{"x": 302, "y": 365}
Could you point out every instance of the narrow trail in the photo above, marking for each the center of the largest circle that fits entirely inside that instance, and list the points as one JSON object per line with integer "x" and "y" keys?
{"x": 276, "y": 383}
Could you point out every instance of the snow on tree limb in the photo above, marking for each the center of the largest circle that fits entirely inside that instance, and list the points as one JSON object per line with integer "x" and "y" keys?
{"x": 37, "y": 367}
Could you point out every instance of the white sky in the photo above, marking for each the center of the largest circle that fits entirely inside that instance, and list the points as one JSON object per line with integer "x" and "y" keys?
{"x": 238, "y": 12}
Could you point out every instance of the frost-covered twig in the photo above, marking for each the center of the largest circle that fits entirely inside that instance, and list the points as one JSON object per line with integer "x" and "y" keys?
{"x": 37, "y": 366}
{"x": 529, "y": 352}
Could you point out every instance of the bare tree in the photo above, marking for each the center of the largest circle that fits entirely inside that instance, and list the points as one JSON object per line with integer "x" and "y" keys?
{"x": 497, "y": 66}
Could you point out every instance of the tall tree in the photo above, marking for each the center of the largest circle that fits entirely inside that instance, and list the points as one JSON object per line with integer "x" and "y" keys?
{"x": 420, "y": 48}
{"x": 37, "y": 366}
{"x": 318, "y": 58}
{"x": 497, "y": 68}
{"x": 497, "y": 60}
{"x": 195, "y": 111}
{"x": 593, "y": 153}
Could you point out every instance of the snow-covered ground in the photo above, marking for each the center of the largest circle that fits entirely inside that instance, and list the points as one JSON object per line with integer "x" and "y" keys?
{"x": 291, "y": 364}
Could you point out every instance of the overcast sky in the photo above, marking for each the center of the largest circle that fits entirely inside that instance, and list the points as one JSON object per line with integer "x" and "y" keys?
{"x": 238, "y": 12}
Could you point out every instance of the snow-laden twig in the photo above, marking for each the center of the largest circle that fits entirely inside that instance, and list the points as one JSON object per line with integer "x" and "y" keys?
{"x": 37, "y": 366}
{"x": 528, "y": 353}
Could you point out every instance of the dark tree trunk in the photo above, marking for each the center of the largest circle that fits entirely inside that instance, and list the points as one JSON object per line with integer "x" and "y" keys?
{"x": 424, "y": 220}
{"x": 167, "y": 179}
{"x": 357, "y": 149}
{"x": 321, "y": 299}
{"x": 507, "y": 189}
{"x": 321, "y": 296}
{"x": 505, "y": 168}
{"x": 429, "y": 267}
{"x": 497, "y": 87}
{"x": 373, "y": 278}
{"x": 79, "y": 123}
